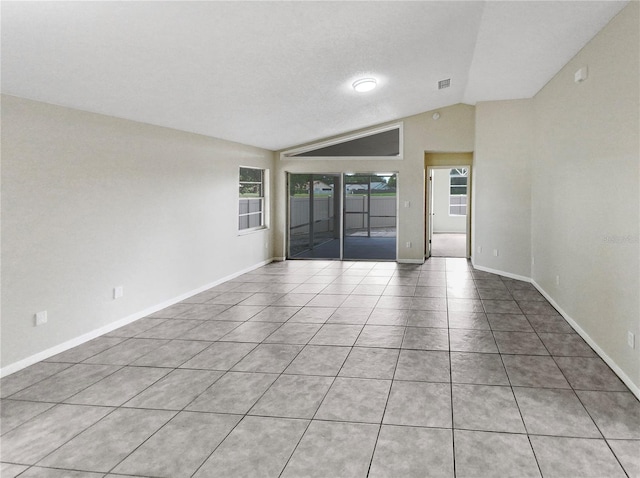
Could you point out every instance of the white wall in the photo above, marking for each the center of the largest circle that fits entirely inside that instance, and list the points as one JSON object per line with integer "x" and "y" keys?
{"x": 443, "y": 222}
{"x": 586, "y": 198}
{"x": 556, "y": 179}
{"x": 501, "y": 217}
{"x": 453, "y": 132}
{"x": 90, "y": 202}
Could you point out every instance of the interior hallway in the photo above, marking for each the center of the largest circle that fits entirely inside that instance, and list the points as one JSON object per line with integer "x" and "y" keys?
{"x": 320, "y": 368}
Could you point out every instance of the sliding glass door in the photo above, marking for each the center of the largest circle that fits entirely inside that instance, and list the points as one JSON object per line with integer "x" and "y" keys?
{"x": 365, "y": 202}
{"x": 314, "y": 216}
{"x": 370, "y": 216}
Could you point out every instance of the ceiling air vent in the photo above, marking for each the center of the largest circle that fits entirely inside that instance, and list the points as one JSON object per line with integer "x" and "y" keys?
{"x": 442, "y": 84}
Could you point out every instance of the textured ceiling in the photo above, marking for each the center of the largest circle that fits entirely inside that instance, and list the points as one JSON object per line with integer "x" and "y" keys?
{"x": 279, "y": 74}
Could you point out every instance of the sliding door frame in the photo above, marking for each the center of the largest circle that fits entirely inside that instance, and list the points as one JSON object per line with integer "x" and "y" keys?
{"x": 337, "y": 217}
{"x": 340, "y": 220}
{"x": 367, "y": 213}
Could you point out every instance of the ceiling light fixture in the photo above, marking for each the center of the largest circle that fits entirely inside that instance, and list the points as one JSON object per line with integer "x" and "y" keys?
{"x": 364, "y": 84}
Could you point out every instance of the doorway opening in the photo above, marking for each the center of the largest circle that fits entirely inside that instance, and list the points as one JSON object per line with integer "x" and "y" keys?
{"x": 335, "y": 216}
{"x": 448, "y": 196}
{"x": 449, "y": 212}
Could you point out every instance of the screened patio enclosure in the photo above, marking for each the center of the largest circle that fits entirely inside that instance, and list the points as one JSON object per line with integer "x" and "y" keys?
{"x": 351, "y": 217}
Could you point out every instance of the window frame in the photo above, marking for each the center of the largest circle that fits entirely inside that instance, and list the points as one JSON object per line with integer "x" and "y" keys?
{"x": 262, "y": 197}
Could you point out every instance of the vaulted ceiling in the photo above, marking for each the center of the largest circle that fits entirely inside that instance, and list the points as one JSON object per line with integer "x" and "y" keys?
{"x": 278, "y": 74}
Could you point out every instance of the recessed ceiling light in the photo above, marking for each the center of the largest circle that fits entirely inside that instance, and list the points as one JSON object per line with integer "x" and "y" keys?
{"x": 364, "y": 84}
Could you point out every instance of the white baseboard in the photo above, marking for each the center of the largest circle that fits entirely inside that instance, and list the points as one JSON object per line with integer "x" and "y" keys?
{"x": 500, "y": 273}
{"x": 635, "y": 389}
{"x": 50, "y": 352}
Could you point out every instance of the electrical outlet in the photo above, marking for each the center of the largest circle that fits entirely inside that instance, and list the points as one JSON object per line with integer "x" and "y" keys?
{"x": 495, "y": 252}
{"x": 557, "y": 280}
{"x": 533, "y": 261}
{"x": 407, "y": 204}
{"x": 631, "y": 339}
{"x": 479, "y": 249}
{"x": 41, "y": 317}
{"x": 118, "y": 292}
{"x": 408, "y": 244}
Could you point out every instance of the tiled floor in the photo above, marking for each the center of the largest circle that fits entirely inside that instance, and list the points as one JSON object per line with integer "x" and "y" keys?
{"x": 330, "y": 369}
